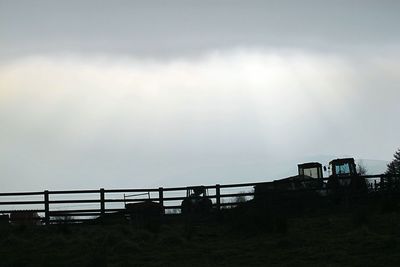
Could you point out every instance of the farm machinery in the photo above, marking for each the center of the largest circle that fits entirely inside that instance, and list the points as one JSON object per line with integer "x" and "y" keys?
{"x": 196, "y": 201}
{"x": 143, "y": 212}
{"x": 343, "y": 178}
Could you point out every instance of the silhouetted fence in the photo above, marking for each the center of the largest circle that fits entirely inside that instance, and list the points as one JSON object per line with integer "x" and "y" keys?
{"x": 82, "y": 205}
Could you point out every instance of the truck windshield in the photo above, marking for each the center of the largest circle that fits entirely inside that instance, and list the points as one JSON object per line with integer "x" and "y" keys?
{"x": 342, "y": 169}
{"x": 312, "y": 172}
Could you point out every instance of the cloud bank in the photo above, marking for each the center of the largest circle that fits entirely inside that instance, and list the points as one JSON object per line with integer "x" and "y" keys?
{"x": 71, "y": 121}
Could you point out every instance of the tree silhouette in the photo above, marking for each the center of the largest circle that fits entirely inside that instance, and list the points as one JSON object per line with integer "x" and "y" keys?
{"x": 361, "y": 168}
{"x": 393, "y": 171}
{"x": 393, "y": 168}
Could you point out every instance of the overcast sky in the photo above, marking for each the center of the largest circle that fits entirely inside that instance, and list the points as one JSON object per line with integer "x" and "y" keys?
{"x": 158, "y": 93}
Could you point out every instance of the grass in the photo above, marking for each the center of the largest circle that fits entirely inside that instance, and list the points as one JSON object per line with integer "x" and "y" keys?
{"x": 353, "y": 237}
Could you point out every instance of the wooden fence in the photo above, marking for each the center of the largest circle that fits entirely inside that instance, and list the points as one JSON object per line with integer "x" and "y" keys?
{"x": 56, "y": 206}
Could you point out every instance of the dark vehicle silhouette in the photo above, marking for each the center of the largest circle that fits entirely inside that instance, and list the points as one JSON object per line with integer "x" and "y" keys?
{"x": 344, "y": 178}
{"x": 309, "y": 188}
{"x": 145, "y": 209}
{"x": 196, "y": 201}
{"x": 145, "y": 214}
{"x": 309, "y": 178}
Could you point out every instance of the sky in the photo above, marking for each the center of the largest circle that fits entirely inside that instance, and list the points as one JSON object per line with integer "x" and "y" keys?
{"x": 162, "y": 93}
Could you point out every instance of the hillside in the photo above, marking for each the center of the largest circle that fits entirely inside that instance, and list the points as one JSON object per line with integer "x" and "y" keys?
{"x": 365, "y": 235}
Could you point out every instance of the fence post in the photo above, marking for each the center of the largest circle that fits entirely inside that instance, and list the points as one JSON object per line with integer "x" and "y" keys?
{"x": 161, "y": 199}
{"x": 46, "y": 208}
{"x": 102, "y": 202}
{"x": 218, "y": 196}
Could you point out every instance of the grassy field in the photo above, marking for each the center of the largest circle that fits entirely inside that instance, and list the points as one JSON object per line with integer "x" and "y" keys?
{"x": 358, "y": 236}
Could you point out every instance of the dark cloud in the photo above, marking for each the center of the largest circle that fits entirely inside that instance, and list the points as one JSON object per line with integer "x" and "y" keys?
{"x": 188, "y": 27}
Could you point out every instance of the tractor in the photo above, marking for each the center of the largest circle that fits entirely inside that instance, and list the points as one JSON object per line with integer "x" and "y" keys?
{"x": 344, "y": 178}
{"x": 196, "y": 201}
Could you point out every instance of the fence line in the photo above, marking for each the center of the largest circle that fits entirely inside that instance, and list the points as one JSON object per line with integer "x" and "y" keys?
{"x": 51, "y": 198}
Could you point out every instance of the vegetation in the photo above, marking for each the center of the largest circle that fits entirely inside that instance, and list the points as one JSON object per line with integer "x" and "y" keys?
{"x": 393, "y": 168}
{"x": 364, "y": 235}
{"x": 361, "y": 168}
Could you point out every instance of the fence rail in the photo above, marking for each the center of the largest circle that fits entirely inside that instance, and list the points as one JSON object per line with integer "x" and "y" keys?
{"x": 52, "y": 205}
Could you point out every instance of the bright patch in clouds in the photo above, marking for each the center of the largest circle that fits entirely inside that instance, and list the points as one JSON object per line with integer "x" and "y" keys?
{"x": 218, "y": 83}
{"x": 127, "y": 121}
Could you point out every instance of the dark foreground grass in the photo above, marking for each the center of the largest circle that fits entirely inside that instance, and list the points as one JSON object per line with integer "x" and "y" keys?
{"x": 352, "y": 238}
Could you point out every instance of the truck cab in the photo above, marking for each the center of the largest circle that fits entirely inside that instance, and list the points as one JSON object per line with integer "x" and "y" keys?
{"x": 311, "y": 169}
{"x": 343, "y": 167}
{"x": 344, "y": 176}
